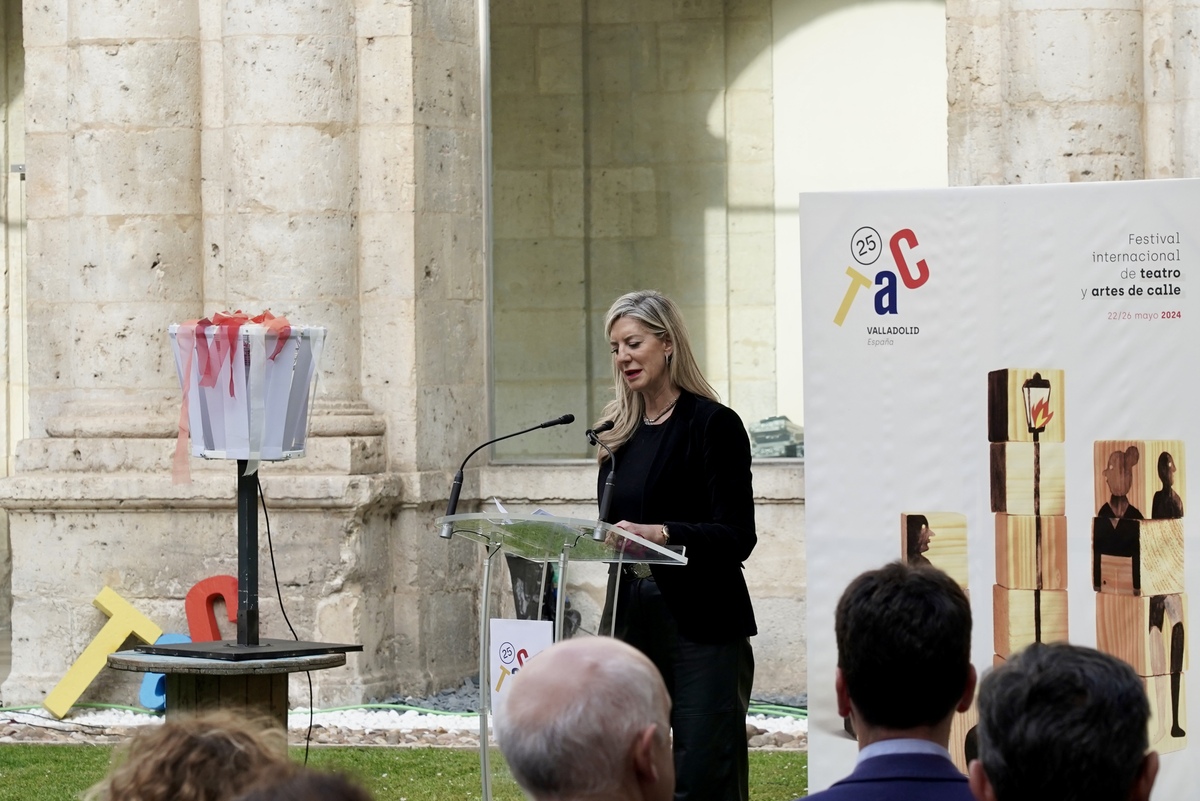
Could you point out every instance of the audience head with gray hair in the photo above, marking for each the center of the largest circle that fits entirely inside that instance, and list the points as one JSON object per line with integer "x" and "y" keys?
{"x": 588, "y": 718}
{"x": 1066, "y": 723}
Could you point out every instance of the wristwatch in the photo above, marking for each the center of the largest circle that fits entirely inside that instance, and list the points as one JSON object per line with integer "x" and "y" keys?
{"x": 666, "y": 535}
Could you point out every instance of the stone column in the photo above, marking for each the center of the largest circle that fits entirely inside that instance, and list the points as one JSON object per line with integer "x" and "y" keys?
{"x": 437, "y": 326}
{"x": 1185, "y": 33}
{"x": 291, "y": 169}
{"x": 288, "y": 240}
{"x": 1171, "y": 32}
{"x": 114, "y": 240}
{"x": 121, "y": 226}
{"x": 1045, "y": 91}
{"x": 280, "y": 170}
{"x": 387, "y": 219}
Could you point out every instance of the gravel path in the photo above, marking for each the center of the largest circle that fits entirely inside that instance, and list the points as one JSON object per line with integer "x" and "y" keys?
{"x": 445, "y": 719}
{"x": 343, "y": 727}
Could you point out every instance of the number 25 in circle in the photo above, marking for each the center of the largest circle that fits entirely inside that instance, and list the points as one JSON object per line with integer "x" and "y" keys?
{"x": 866, "y": 245}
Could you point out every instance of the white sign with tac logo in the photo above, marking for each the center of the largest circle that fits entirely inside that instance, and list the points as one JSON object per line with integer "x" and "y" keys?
{"x": 513, "y": 644}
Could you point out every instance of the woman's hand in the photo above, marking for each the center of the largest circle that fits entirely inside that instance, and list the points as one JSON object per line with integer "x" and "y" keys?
{"x": 652, "y": 532}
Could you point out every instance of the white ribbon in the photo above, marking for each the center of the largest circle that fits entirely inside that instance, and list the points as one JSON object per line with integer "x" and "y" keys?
{"x": 256, "y": 336}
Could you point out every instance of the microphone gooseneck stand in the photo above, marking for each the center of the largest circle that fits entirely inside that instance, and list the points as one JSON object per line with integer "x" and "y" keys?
{"x": 456, "y": 487}
{"x": 609, "y": 614}
{"x": 447, "y": 532}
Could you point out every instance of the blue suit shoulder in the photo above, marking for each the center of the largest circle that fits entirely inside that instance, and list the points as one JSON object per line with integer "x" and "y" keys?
{"x": 900, "y": 777}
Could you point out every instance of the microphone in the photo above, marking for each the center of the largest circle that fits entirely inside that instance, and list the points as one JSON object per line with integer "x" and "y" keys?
{"x": 606, "y": 496}
{"x": 591, "y": 433}
{"x": 456, "y": 487}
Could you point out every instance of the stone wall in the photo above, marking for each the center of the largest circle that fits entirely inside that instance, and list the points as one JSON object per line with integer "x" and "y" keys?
{"x": 633, "y": 148}
{"x": 1061, "y": 91}
{"x": 320, "y": 159}
{"x": 12, "y": 243}
{"x": 324, "y": 159}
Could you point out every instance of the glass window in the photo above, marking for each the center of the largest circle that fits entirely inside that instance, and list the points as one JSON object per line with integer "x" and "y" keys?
{"x": 662, "y": 144}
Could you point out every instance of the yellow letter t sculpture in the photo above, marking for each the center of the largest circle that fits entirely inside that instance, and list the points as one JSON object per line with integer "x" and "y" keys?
{"x": 123, "y": 620}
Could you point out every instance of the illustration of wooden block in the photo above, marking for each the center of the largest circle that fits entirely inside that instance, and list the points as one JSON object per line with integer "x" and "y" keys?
{"x": 1007, "y": 417}
{"x": 938, "y": 539}
{"x": 964, "y": 745}
{"x": 1142, "y": 478}
{"x": 1137, "y": 557}
{"x": 1147, "y": 631}
{"x": 1017, "y": 551}
{"x": 1168, "y": 712}
{"x": 1023, "y": 617}
{"x": 1015, "y": 478}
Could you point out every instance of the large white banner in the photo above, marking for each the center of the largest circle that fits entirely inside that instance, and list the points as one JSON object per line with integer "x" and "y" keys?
{"x": 934, "y": 321}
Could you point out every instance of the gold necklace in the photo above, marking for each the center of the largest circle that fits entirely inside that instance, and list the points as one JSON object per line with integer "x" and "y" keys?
{"x": 648, "y": 421}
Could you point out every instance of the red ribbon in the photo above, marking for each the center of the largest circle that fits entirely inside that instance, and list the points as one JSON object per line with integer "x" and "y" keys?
{"x": 213, "y": 354}
{"x": 210, "y": 355}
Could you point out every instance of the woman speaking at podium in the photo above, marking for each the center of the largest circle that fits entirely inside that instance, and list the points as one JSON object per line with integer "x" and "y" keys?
{"x": 683, "y": 478}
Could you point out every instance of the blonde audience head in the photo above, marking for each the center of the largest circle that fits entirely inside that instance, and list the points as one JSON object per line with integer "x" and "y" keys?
{"x": 209, "y": 757}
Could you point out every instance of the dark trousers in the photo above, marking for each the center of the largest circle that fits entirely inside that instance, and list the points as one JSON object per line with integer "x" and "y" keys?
{"x": 710, "y": 693}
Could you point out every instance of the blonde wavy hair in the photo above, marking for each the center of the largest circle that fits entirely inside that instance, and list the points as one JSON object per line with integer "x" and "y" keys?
{"x": 210, "y": 757}
{"x": 661, "y": 317}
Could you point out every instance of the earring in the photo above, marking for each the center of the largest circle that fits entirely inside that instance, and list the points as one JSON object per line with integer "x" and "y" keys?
{"x": 669, "y": 355}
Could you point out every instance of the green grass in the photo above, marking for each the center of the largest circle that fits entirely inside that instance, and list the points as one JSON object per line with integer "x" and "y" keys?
{"x": 50, "y": 772}
{"x": 61, "y": 772}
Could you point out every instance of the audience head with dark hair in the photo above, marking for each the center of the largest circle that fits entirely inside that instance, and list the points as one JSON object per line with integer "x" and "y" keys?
{"x": 210, "y": 757}
{"x": 904, "y": 651}
{"x": 1063, "y": 723}
{"x": 295, "y": 783}
{"x": 904, "y": 669}
{"x": 589, "y": 718}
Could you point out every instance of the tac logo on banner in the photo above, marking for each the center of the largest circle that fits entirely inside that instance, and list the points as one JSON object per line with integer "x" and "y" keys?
{"x": 866, "y": 247}
{"x": 513, "y": 644}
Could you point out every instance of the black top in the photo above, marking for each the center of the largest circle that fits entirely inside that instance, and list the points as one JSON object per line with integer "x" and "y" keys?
{"x": 698, "y": 482}
{"x": 634, "y": 460}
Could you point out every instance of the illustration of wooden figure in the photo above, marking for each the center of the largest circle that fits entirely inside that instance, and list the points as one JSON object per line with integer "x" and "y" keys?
{"x": 1027, "y": 462}
{"x": 1018, "y": 407}
{"x": 938, "y": 539}
{"x": 1028, "y": 494}
{"x": 1029, "y": 478}
{"x": 1146, "y": 631}
{"x": 1137, "y": 571}
{"x": 1137, "y": 557}
{"x": 1140, "y": 479}
{"x": 1031, "y": 552}
{"x": 1023, "y": 617}
{"x": 1168, "y": 712}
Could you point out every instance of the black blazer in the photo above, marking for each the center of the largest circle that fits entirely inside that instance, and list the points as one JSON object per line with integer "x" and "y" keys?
{"x": 700, "y": 486}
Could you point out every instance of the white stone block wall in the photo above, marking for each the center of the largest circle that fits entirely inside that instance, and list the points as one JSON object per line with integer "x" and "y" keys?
{"x": 1047, "y": 90}
{"x": 290, "y": 169}
{"x": 247, "y": 154}
{"x": 449, "y": 331}
{"x": 12, "y": 241}
{"x": 633, "y": 149}
{"x": 323, "y": 159}
{"x": 113, "y": 216}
